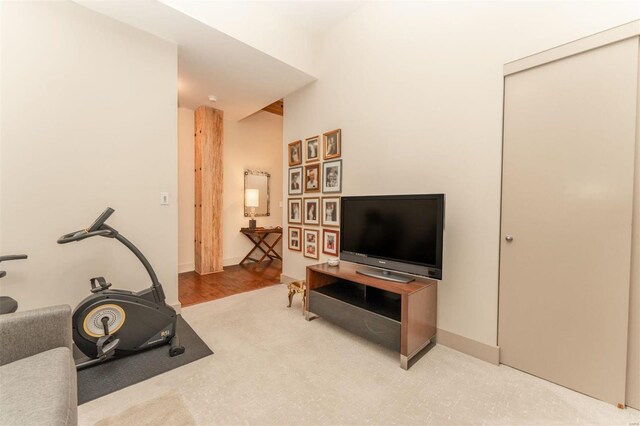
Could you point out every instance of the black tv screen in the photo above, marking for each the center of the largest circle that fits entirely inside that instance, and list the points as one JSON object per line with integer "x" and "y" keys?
{"x": 402, "y": 232}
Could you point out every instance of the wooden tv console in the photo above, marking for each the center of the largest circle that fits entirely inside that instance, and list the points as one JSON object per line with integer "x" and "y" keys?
{"x": 401, "y": 317}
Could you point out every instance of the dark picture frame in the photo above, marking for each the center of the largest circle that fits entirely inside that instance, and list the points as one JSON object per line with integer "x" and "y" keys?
{"x": 330, "y": 241}
{"x": 293, "y": 172}
{"x": 310, "y": 244}
{"x": 311, "y": 205}
{"x": 293, "y": 240}
{"x": 332, "y": 177}
{"x": 330, "y": 216}
{"x": 295, "y": 153}
{"x": 312, "y": 149}
{"x": 290, "y": 210}
{"x": 309, "y": 170}
{"x": 332, "y": 144}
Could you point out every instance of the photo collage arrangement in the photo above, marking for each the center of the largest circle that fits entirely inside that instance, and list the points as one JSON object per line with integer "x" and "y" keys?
{"x": 314, "y": 169}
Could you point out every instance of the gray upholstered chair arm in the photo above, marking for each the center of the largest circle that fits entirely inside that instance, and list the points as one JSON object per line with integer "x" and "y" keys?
{"x": 27, "y": 333}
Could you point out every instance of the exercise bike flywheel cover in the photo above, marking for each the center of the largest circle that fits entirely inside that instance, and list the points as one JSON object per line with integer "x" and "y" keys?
{"x": 92, "y": 323}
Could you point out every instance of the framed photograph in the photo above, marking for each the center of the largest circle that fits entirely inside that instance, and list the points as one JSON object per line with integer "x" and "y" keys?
{"x": 330, "y": 211}
{"x": 295, "y": 153}
{"x": 294, "y": 210}
{"x": 332, "y": 173}
{"x": 330, "y": 242}
{"x": 313, "y": 149}
{"x": 311, "y": 243}
{"x": 295, "y": 181}
{"x": 295, "y": 237}
{"x": 312, "y": 178}
{"x": 332, "y": 144}
{"x": 311, "y": 211}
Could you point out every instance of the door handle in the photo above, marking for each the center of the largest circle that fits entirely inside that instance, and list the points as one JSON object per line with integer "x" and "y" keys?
{"x": 509, "y": 238}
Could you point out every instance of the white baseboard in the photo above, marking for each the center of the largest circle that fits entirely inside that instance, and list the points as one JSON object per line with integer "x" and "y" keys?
{"x": 186, "y": 267}
{"x": 284, "y": 279}
{"x": 231, "y": 261}
{"x": 488, "y": 353}
{"x": 177, "y": 307}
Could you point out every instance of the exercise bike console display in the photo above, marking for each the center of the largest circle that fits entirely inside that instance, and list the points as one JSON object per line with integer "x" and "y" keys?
{"x": 113, "y": 322}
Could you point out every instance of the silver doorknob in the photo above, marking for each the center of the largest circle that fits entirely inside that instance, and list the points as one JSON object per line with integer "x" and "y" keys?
{"x": 509, "y": 238}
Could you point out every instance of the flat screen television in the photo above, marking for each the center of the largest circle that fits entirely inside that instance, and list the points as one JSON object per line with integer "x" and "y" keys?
{"x": 400, "y": 233}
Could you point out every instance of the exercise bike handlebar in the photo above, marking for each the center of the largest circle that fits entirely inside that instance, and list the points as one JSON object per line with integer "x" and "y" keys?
{"x": 10, "y": 257}
{"x": 100, "y": 229}
{"x": 13, "y": 257}
{"x": 97, "y": 224}
{"x": 93, "y": 231}
{"x": 82, "y": 234}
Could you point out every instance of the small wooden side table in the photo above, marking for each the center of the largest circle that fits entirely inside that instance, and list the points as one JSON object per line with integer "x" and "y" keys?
{"x": 258, "y": 237}
{"x": 297, "y": 287}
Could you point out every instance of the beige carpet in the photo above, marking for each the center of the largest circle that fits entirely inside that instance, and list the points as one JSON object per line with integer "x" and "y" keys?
{"x": 272, "y": 367}
{"x": 165, "y": 410}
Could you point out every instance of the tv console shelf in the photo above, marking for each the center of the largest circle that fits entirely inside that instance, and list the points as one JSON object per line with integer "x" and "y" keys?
{"x": 398, "y": 316}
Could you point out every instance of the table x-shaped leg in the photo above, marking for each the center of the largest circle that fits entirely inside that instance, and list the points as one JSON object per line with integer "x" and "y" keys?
{"x": 258, "y": 241}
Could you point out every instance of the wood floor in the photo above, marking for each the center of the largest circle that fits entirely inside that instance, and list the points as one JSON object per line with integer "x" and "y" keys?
{"x": 194, "y": 288}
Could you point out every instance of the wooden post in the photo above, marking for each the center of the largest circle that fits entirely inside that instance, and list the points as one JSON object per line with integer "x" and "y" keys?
{"x": 208, "y": 190}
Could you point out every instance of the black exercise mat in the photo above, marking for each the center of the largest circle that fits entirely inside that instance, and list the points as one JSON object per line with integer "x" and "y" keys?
{"x": 119, "y": 373}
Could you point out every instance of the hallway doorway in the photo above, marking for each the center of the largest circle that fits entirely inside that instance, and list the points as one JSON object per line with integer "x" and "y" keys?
{"x": 194, "y": 288}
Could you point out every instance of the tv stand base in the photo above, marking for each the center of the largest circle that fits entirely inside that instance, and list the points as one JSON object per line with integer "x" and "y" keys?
{"x": 404, "y": 360}
{"x": 401, "y": 317}
{"x": 383, "y": 274}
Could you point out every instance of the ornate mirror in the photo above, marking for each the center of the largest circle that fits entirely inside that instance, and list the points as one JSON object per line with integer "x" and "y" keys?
{"x": 257, "y": 181}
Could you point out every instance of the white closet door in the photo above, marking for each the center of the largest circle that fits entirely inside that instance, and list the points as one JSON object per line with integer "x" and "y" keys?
{"x": 633, "y": 356}
{"x": 568, "y": 172}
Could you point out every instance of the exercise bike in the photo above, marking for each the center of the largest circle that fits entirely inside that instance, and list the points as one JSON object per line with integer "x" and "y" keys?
{"x": 114, "y": 323}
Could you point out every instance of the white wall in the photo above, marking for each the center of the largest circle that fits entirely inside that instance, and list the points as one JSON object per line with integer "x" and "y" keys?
{"x": 186, "y": 190}
{"x": 256, "y": 24}
{"x": 254, "y": 143}
{"x": 88, "y": 121}
{"x": 417, "y": 90}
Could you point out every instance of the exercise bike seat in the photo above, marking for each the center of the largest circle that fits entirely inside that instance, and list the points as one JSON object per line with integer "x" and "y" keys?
{"x": 103, "y": 284}
{"x": 8, "y": 305}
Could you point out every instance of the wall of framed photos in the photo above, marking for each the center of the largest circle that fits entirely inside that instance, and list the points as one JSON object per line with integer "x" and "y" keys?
{"x": 314, "y": 186}
{"x": 420, "y": 119}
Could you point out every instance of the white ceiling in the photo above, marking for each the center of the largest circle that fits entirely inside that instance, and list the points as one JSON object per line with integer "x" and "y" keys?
{"x": 313, "y": 16}
{"x": 248, "y": 54}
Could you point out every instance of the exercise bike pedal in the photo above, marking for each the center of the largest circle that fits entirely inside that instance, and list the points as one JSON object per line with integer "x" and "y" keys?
{"x": 110, "y": 348}
{"x": 106, "y": 346}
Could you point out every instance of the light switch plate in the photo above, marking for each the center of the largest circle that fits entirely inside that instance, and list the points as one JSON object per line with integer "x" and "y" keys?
{"x": 164, "y": 198}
